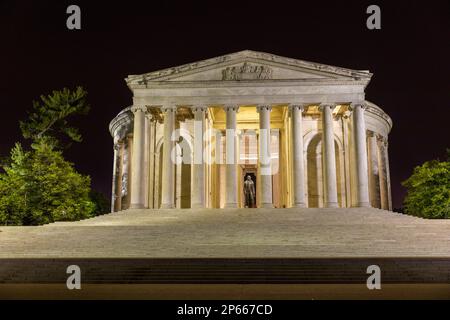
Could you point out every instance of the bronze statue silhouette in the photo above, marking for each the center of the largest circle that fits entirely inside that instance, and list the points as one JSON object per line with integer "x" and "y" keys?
{"x": 249, "y": 192}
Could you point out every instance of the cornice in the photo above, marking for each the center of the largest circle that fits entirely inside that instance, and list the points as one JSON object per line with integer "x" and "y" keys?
{"x": 123, "y": 119}
{"x": 376, "y": 110}
{"x": 254, "y": 56}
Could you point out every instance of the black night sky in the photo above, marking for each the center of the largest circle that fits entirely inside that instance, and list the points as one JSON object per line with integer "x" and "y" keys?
{"x": 409, "y": 56}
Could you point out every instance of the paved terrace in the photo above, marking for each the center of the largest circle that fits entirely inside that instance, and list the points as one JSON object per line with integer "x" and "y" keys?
{"x": 233, "y": 233}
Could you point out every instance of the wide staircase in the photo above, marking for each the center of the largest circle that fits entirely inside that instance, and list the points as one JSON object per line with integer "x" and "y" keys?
{"x": 232, "y": 246}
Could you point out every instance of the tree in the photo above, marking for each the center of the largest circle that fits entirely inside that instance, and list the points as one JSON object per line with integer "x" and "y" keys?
{"x": 12, "y": 202}
{"x": 40, "y": 187}
{"x": 429, "y": 190}
{"x": 101, "y": 202}
{"x": 49, "y": 119}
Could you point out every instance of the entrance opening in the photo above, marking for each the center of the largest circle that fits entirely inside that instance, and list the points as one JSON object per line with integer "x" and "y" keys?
{"x": 247, "y": 148}
{"x": 248, "y": 172}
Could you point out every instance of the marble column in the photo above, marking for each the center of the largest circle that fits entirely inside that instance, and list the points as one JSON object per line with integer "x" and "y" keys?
{"x": 299, "y": 165}
{"x": 231, "y": 157}
{"x": 388, "y": 174}
{"x": 264, "y": 156}
{"x": 383, "y": 172}
{"x": 120, "y": 173}
{"x": 115, "y": 192}
{"x": 329, "y": 156}
{"x": 374, "y": 181}
{"x": 151, "y": 120}
{"x": 359, "y": 129}
{"x": 345, "y": 123}
{"x": 138, "y": 158}
{"x": 219, "y": 182}
{"x": 126, "y": 172}
{"x": 168, "y": 183}
{"x": 198, "y": 172}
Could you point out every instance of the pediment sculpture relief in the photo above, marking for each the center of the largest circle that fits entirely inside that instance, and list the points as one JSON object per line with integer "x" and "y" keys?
{"x": 247, "y": 72}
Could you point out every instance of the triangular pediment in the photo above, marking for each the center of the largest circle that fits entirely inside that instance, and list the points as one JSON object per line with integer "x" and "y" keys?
{"x": 249, "y": 66}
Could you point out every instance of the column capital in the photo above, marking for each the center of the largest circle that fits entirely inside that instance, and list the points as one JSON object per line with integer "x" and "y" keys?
{"x": 231, "y": 107}
{"x": 150, "y": 116}
{"x": 197, "y": 108}
{"x": 382, "y": 140}
{"x": 298, "y": 106}
{"x": 322, "y": 106}
{"x": 168, "y": 109}
{"x": 339, "y": 116}
{"x": 380, "y": 137}
{"x": 135, "y": 108}
{"x": 117, "y": 145}
{"x": 371, "y": 134}
{"x": 153, "y": 115}
{"x": 355, "y": 105}
{"x": 347, "y": 113}
{"x": 263, "y": 107}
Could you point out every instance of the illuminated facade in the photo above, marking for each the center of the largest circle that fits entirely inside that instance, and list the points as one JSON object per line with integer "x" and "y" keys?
{"x": 303, "y": 131}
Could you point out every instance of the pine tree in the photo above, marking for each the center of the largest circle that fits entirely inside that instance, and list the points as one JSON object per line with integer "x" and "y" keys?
{"x": 49, "y": 120}
{"x": 38, "y": 186}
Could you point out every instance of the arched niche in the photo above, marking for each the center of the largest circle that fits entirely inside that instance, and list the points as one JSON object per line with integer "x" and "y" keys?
{"x": 315, "y": 170}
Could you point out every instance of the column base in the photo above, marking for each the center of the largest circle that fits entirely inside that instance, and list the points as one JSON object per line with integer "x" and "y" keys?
{"x": 363, "y": 205}
{"x": 197, "y": 206}
{"x": 332, "y": 205}
{"x": 299, "y": 205}
{"x": 137, "y": 206}
{"x": 267, "y": 205}
{"x": 230, "y": 206}
{"x": 167, "y": 206}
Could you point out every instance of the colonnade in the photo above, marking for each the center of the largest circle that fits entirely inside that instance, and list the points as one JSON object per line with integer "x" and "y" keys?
{"x": 264, "y": 156}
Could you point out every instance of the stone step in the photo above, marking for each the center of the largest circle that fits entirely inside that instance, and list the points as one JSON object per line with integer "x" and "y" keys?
{"x": 393, "y": 270}
{"x": 233, "y": 233}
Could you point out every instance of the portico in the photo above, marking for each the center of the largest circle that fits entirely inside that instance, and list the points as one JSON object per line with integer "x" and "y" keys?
{"x": 303, "y": 130}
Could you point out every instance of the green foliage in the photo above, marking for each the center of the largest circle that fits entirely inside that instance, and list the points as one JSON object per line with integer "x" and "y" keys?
{"x": 429, "y": 190}
{"x": 101, "y": 203}
{"x": 40, "y": 187}
{"x": 49, "y": 119}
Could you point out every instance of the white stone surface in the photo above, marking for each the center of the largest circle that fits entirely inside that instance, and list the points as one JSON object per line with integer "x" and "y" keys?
{"x": 299, "y": 167}
{"x": 331, "y": 200}
{"x": 237, "y": 233}
{"x": 361, "y": 156}
{"x": 264, "y": 156}
{"x": 198, "y": 170}
{"x": 231, "y": 157}
{"x": 137, "y": 160}
{"x": 168, "y": 189}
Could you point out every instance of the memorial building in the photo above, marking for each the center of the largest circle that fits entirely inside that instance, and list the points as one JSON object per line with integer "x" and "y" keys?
{"x": 302, "y": 132}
